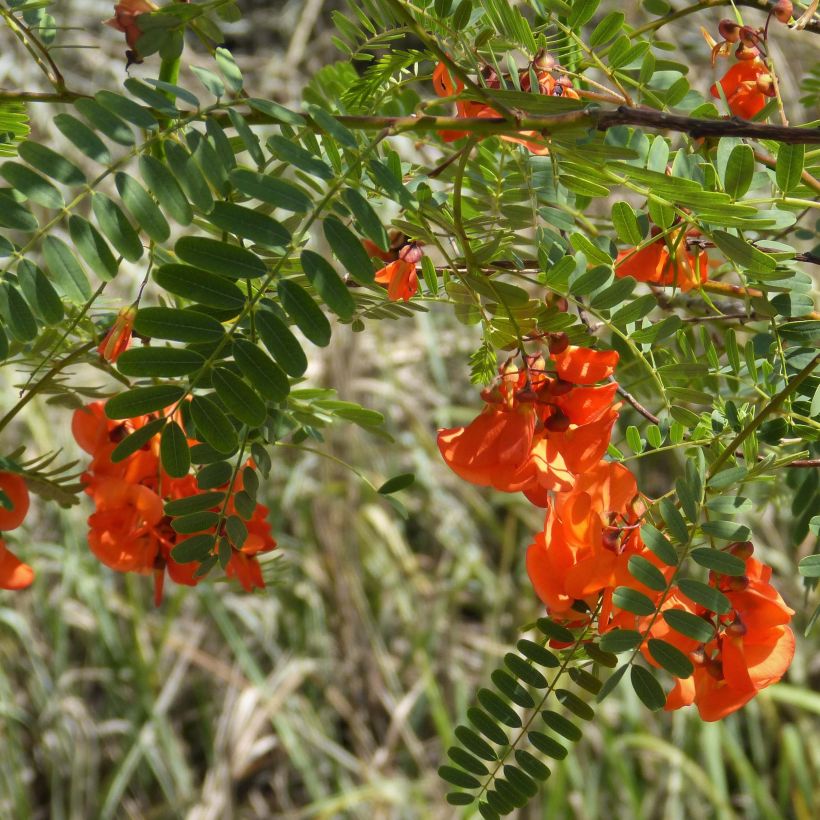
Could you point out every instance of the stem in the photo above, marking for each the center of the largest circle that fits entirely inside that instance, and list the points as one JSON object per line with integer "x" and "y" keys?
{"x": 774, "y": 404}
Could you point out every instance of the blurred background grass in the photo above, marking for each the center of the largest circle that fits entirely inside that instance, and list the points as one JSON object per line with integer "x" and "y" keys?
{"x": 335, "y": 692}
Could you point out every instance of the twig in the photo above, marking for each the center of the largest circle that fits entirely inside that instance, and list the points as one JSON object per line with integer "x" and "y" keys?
{"x": 637, "y": 405}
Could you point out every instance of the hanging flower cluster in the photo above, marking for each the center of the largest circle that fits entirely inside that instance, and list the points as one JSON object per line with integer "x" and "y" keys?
{"x": 130, "y": 531}
{"x": 399, "y": 275}
{"x": 14, "y": 574}
{"x": 748, "y": 84}
{"x": 542, "y": 68}
{"x": 544, "y": 431}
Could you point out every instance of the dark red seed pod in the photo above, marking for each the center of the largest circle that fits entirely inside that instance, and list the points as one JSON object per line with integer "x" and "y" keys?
{"x": 782, "y": 10}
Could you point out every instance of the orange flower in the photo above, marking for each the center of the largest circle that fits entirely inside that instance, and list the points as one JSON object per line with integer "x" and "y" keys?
{"x": 537, "y": 433}
{"x": 125, "y": 19}
{"x": 746, "y": 85}
{"x": 752, "y": 648}
{"x": 14, "y": 574}
{"x": 118, "y": 338}
{"x": 400, "y": 275}
{"x": 590, "y": 532}
{"x": 15, "y": 491}
{"x": 659, "y": 265}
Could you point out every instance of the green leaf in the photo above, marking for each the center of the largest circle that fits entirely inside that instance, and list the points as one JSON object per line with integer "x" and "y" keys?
{"x": 585, "y": 680}
{"x": 646, "y": 572}
{"x": 466, "y": 760}
{"x": 659, "y": 544}
{"x": 212, "y": 425}
{"x": 740, "y": 169}
{"x": 509, "y": 686}
{"x": 547, "y": 745}
{"x": 474, "y": 743}
{"x": 214, "y": 475}
{"x": 33, "y": 186}
{"x": 270, "y": 189}
{"x": 328, "y": 284}
{"x": 282, "y": 344}
{"x": 520, "y": 781}
{"x": 560, "y": 724}
{"x": 17, "y": 314}
{"x": 525, "y": 671}
{"x": 498, "y": 708}
{"x": 292, "y": 153}
{"x": 115, "y": 226}
{"x": 66, "y": 271}
{"x": 620, "y": 640}
{"x": 789, "y": 167}
{"x": 14, "y": 215}
{"x": 137, "y": 440}
{"x": 261, "y": 371}
{"x": 126, "y": 109}
{"x": 633, "y": 601}
{"x": 675, "y": 524}
{"x": 689, "y": 624}
{"x": 105, "y": 121}
{"x": 173, "y": 451}
{"x": 177, "y": 325}
{"x": 700, "y": 593}
{"x": 93, "y": 248}
{"x": 458, "y": 777}
{"x": 647, "y": 688}
{"x": 239, "y": 397}
{"x": 745, "y": 254}
{"x": 145, "y": 211}
{"x": 574, "y": 704}
{"x": 555, "y": 631}
{"x": 305, "y": 312}
{"x": 366, "y": 218}
{"x": 611, "y": 682}
{"x": 159, "y": 361}
{"x": 219, "y": 257}
{"x": 195, "y": 548}
{"x": 194, "y": 503}
{"x": 726, "y": 530}
{"x": 40, "y": 293}
{"x": 531, "y": 764}
{"x": 50, "y": 163}
{"x": 189, "y": 175}
{"x": 83, "y": 138}
{"x": 485, "y": 724}
{"x": 249, "y": 224}
{"x": 809, "y": 567}
{"x": 609, "y": 26}
{"x": 626, "y": 223}
{"x": 581, "y": 12}
{"x": 723, "y": 562}
{"x": 166, "y": 189}
{"x": 670, "y": 658}
{"x": 398, "y": 482}
{"x": 142, "y": 400}
{"x": 329, "y": 124}
{"x": 349, "y": 250}
{"x": 538, "y": 654}
{"x": 200, "y": 286}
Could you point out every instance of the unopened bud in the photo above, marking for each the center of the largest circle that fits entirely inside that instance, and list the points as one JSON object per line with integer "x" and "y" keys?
{"x": 729, "y": 30}
{"x": 745, "y": 52}
{"x": 411, "y": 253}
{"x": 783, "y": 10}
{"x": 742, "y": 549}
{"x": 559, "y": 342}
{"x": 543, "y": 61}
{"x": 557, "y": 422}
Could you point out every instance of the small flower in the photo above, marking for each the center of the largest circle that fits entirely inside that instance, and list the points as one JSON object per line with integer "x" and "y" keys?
{"x": 658, "y": 264}
{"x": 14, "y": 505}
{"x": 14, "y": 574}
{"x": 400, "y": 275}
{"x": 125, "y": 20}
{"x": 116, "y": 341}
{"x": 746, "y": 85}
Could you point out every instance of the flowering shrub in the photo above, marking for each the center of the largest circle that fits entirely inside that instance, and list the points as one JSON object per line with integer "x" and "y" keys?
{"x": 629, "y": 244}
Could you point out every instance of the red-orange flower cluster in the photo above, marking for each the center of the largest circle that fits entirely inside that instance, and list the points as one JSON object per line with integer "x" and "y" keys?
{"x": 751, "y": 647}
{"x": 747, "y": 85}
{"x": 549, "y": 85}
{"x": 129, "y": 531}
{"x": 539, "y": 428}
{"x": 14, "y": 574}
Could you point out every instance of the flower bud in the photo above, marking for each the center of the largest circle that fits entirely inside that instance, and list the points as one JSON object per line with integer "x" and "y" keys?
{"x": 729, "y": 31}
{"x": 783, "y": 10}
{"x": 544, "y": 61}
{"x": 559, "y": 342}
{"x": 557, "y": 422}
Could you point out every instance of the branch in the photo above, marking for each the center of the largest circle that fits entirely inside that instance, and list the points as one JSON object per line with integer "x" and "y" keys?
{"x": 600, "y": 119}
